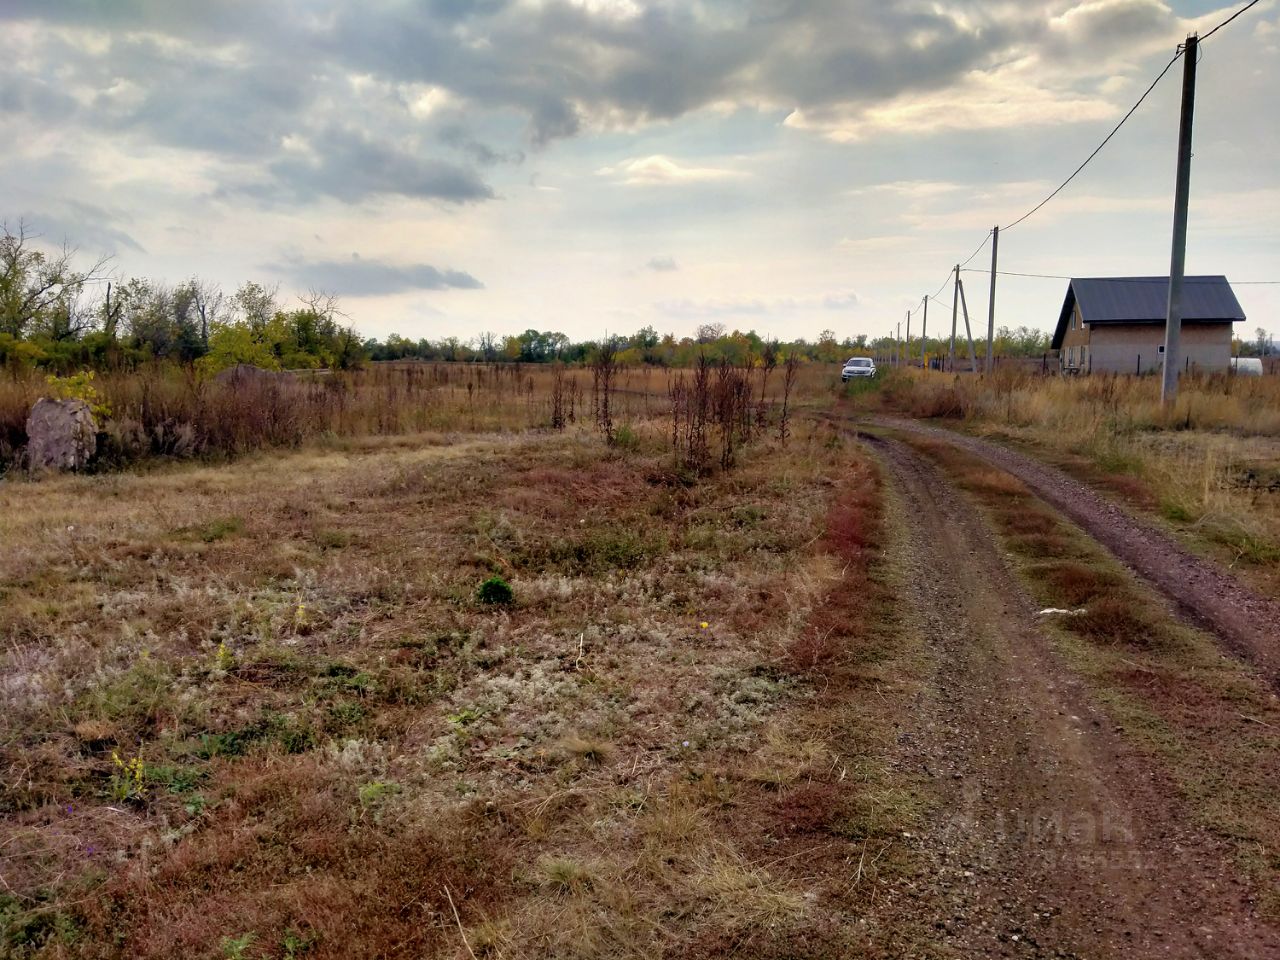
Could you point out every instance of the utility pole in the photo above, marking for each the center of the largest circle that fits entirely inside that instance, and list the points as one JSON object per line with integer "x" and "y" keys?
{"x": 908, "y": 338}
{"x": 924, "y": 337}
{"x": 1181, "y": 198}
{"x": 991, "y": 304}
{"x": 955, "y": 305}
{"x": 964, "y": 305}
{"x": 897, "y": 346}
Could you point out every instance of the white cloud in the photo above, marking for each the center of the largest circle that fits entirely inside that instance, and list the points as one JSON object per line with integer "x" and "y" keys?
{"x": 659, "y": 169}
{"x": 981, "y": 100}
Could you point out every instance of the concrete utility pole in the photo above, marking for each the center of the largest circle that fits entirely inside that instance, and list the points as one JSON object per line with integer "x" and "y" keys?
{"x": 955, "y": 305}
{"x": 1181, "y": 198}
{"x": 897, "y": 346}
{"x": 908, "y": 338}
{"x": 924, "y": 337}
{"x": 968, "y": 332}
{"x": 991, "y": 305}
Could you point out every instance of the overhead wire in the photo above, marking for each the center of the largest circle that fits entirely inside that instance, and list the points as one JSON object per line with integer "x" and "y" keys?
{"x": 943, "y": 286}
{"x": 1059, "y": 276}
{"x": 1132, "y": 110}
{"x": 1107, "y": 139}
{"x": 1243, "y": 9}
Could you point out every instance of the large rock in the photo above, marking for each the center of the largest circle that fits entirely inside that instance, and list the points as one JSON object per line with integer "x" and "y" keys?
{"x": 61, "y": 435}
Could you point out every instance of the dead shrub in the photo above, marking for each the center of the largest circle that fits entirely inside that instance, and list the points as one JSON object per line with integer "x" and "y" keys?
{"x": 604, "y": 372}
{"x": 790, "y": 372}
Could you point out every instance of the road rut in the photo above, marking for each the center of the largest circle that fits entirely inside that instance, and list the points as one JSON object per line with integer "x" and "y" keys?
{"x": 1204, "y": 593}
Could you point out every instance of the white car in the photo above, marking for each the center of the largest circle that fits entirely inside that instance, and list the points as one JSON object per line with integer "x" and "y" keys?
{"x": 857, "y": 367}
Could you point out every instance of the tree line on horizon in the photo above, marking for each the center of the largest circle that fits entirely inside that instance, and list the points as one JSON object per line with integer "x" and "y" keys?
{"x": 57, "y": 317}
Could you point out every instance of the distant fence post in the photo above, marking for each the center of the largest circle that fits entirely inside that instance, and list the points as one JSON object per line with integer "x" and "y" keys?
{"x": 1138, "y": 371}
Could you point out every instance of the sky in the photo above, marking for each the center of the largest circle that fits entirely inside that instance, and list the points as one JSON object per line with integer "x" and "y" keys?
{"x": 449, "y": 167}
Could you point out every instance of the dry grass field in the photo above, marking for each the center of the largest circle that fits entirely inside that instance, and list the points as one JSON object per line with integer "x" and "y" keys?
{"x": 166, "y": 412}
{"x": 260, "y": 709}
{"x": 446, "y": 681}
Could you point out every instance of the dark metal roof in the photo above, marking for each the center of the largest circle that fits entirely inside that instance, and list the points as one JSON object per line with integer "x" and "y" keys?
{"x": 1146, "y": 300}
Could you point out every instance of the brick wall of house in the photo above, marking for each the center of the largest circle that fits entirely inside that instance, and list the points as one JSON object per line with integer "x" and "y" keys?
{"x": 1130, "y": 347}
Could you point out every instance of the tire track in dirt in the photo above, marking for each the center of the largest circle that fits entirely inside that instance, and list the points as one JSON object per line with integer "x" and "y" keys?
{"x": 1053, "y": 837}
{"x": 1203, "y": 593}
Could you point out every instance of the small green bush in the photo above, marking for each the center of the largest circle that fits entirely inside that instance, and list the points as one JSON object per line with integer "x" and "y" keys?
{"x": 495, "y": 590}
{"x": 219, "y": 529}
{"x": 626, "y": 439}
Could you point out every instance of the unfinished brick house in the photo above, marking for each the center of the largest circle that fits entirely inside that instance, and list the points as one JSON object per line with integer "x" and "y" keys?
{"x": 1116, "y": 324}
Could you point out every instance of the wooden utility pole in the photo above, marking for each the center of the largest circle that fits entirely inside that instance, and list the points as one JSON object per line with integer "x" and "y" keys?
{"x": 955, "y": 305}
{"x": 1181, "y": 198}
{"x": 924, "y": 337}
{"x": 964, "y": 305}
{"x": 991, "y": 304}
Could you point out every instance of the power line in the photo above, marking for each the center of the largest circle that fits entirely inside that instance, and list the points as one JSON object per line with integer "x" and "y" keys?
{"x": 984, "y": 242}
{"x": 1059, "y": 276}
{"x": 1105, "y": 141}
{"x": 1228, "y": 20}
{"x": 1123, "y": 119}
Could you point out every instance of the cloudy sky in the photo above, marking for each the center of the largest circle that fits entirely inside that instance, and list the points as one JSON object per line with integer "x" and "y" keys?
{"x": 454, "y": 166}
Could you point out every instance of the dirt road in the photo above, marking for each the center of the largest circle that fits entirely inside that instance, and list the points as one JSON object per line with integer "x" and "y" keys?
{"x": 1053, "y": 839}
{"x": 1204, "y": 593}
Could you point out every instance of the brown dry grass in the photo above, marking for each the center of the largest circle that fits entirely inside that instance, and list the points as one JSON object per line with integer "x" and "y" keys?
{"x": 166, "y": 411}
{"x": 1209, "y": 467}
{"x": 340, "y": 744}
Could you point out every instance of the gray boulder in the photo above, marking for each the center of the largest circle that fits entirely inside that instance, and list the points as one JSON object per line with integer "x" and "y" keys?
{"x": 61, "y": 435}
